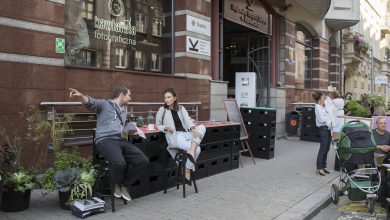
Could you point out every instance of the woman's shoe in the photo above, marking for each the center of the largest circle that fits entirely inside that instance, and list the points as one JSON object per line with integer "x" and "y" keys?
{"x": 188, "y": 182}
{"x": 321, "y": 172}
{"x": 327, "y": 172}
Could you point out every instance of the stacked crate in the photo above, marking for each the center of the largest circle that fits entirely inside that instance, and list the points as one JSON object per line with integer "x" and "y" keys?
{"x": 309, "y": 130}
{"x": 219, "y": 153}
{"x": 218, "y": 150}
{"x": 260, "y": 124}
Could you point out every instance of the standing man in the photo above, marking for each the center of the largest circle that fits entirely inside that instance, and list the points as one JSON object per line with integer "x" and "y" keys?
{"x": 127, "y": 161}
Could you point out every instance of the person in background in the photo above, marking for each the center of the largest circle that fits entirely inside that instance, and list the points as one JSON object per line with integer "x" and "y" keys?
{"x": 382, "y": 140}
{"x": 180, "y": 131}
{"x": 339, "y": 104}
{"x": 321, "y": 122}
{"x": 127, "y": 161}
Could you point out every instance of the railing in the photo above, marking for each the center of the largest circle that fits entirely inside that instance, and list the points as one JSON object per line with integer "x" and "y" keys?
{"x": 84, "y": 122}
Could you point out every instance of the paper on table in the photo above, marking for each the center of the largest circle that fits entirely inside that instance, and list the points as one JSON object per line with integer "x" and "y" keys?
{"x": 131, "y": 128}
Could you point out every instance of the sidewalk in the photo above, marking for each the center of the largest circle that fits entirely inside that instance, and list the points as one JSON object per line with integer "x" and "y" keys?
{"x": 285, "y": 187}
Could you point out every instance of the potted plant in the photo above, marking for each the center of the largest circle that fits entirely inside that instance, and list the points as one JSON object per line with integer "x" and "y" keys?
{"x": 376, "y": 102}
{"x": 72, "y": 175}
{"x": 17, "y": 182}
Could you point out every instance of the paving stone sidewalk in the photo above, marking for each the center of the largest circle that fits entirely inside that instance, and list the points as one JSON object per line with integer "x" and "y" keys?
{"x": 285, "y": 187}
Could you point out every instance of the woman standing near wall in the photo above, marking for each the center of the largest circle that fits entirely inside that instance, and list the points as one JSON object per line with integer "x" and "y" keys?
{"x": 321, "y": 119}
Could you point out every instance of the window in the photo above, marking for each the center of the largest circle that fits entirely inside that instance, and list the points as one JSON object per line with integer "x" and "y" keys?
{"x": 156, "y": 62}
{"x": 362, "y": 85}
{"x": 120, "y": 58}
{"x": 86, "y": 9}
{"x": 140, "y": 22}
{"x": 303, "y": 58}
{"x": 157, "y": 27}
{"x": 355, "y": 84}
{"x": 139, "y": 60}
{"x": 85, "y": 58}
{"x": 369, "y": 87}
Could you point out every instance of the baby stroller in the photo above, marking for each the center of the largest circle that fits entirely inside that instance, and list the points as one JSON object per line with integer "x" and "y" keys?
{"x": 355, "y": 149}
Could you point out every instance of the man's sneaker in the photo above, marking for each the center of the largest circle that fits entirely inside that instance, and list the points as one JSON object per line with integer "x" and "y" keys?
{"x": 125, "y": 193}
{"x": 117, "y": 191}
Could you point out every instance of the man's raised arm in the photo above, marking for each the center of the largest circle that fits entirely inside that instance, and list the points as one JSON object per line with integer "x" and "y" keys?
{"x": 74, "y": 93}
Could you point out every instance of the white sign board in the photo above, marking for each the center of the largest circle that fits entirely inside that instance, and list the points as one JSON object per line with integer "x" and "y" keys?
{"x": 198, "y": 25}
{"x": 381, "y": 80}
{"x": 246, "y": 89}
{"x": 198, "y": 46}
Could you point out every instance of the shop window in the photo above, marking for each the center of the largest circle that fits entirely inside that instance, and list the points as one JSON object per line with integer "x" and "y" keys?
{"x": 157, "y": 27}
{"x": 121, "y": 58}
{"x": 86, "y": 9}
{"x": 97, "y": 36}
{"x": 303, "y": 58}
{"x": 156, "y": 62}
{"x": 140, "y": 22}
{"x": 139, "y": 60}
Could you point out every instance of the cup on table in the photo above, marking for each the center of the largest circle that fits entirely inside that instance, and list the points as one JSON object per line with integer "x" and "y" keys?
{"x": 150, "y": 126}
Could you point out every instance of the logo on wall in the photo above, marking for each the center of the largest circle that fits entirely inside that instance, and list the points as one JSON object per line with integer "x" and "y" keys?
{"x": 116, "y": 7}
{"x": 249, "y": 4}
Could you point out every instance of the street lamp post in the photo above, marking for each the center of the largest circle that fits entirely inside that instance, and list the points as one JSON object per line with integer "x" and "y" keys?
{"x": 372, "y": 70}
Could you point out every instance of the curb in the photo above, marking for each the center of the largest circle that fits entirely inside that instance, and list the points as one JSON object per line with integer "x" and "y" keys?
{"x": 311, "y": 205}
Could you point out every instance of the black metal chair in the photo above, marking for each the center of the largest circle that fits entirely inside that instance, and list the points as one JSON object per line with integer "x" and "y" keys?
{"x": 176, "y": 175}
{"x": 104, "y": 187}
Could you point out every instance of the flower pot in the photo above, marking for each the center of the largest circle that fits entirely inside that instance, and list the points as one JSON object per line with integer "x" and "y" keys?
{"x": 15, "y": 201}
{"x": 64, "y": 198}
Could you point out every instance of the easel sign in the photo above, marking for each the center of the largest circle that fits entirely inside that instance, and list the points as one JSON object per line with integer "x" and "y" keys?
{"x": 234, "y": 115}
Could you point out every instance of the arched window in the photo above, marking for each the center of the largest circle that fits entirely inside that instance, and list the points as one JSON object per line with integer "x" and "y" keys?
{"x": 303, "y": 60}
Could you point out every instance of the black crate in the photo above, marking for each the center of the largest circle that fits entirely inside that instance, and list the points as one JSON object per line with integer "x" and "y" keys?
{"x": 225, "y": 163}
{"x": 266, "y": 128}
{"x": 226, "y": 148}
{"x": 266, "y": 140}
{"x": 308, "y": 110}
{"x": 265, "y": 155}
{"x": 214, "y": 149}
{"x": 234, "y": 161}
{"x": 227, "y": 132}
{"x": 155, "y": 182}
{"x": 236, "y": 146}
{"x": 169, "y": 173}
{"x": 201, "y": 169}
{"x": 256, "y": 114}
{"x": 138, "y": 188}
{"x": 236, "y": 129}
{"x": 213, "y": 134}
{"x": 157, "y": 156}
{"x": 310, "y": 131}
{"x": 213, "y": 167}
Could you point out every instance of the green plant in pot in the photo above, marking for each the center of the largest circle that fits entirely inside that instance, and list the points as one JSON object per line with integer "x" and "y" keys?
{"x": 17, "y": 182}
{"x": 376, "y": 102}
{"x": 72, "y": 175}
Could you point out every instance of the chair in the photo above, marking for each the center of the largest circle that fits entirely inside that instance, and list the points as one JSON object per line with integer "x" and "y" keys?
{"x": 104, "y": 186}
{"x": 179, "y": 179}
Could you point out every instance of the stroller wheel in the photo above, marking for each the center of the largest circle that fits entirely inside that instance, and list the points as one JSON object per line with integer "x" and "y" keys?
{"x": 335, "y": 194}
{"x": 371, "y": 204}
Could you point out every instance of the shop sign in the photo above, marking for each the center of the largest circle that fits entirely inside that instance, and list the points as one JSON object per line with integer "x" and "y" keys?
{"x": 381, "y": 80}
{"x": 198, "y": 46}
{"x": 249, "y": 13}
{"x": 198, "y": 25}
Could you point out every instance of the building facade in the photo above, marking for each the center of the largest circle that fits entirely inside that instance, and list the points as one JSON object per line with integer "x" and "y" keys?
{"x": 366, "y": 51}
{"x": 196, "y": 46}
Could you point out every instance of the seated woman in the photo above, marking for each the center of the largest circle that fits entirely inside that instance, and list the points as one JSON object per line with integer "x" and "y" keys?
{"x": 179, "y": 130}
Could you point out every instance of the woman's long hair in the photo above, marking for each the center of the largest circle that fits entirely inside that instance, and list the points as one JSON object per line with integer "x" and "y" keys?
{"x": 175, "y": 103}
{"x": 317, "y": 95}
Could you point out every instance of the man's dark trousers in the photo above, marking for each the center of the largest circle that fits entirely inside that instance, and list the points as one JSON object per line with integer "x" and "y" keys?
{"x": 127, "y": 161}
